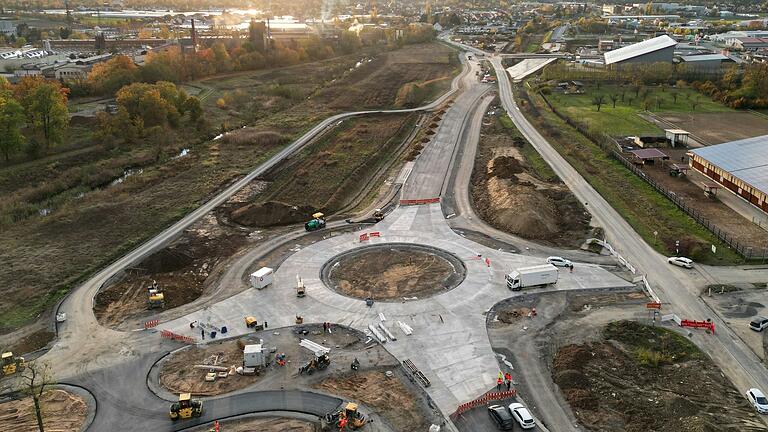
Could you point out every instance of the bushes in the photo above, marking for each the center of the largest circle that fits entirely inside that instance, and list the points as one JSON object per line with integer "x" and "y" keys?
{"x": 255, "y": 137}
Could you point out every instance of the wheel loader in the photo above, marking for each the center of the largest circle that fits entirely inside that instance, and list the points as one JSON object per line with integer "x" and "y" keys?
{"x": 317, "y": 363}
{"x": 12, "y": 364}
{"x": 345, "y": 418}
{"x": 186, "y": 407}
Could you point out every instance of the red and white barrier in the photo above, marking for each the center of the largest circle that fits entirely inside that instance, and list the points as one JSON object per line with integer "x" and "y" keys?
{"x": 151, "y": 323}
{"x": 482, "y": 400}
{"x": 167, "y": 334}
{"x": 406, "y": 202}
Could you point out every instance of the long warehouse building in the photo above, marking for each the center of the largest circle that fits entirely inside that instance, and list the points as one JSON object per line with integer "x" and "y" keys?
{"x": 657, "y": 50}
{"x": 740, "y": 166}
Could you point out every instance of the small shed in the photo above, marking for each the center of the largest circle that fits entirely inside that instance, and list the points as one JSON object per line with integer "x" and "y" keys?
{"x": 710, "y": 188}
{"x": 676, "y": 136}
{"x": 648, "y": 156}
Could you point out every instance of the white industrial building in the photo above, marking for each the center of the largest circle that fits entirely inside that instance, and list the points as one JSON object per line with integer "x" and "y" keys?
{"x": 656, "y": 50}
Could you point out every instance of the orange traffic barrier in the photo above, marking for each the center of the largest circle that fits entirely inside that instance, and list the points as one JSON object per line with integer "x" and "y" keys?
{"x": 151, "y": 323}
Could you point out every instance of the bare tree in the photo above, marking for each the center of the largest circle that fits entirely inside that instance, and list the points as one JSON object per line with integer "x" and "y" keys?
{"x": 647, "y": 104}
{"x": 35, "y": 378}
{"x": 694, "y": 103}
{"x": 614, "y": 98}
{"x": 630, "y": 99}
{"x": 598, "y": 101}
{"x": 658, "y": 102}
{"x": 674, "y": 95}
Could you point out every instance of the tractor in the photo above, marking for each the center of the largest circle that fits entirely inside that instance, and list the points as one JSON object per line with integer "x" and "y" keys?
{"x": 12, "y": 364}
{"x": 186, "y": 407}
{"x": 317, "y": 222}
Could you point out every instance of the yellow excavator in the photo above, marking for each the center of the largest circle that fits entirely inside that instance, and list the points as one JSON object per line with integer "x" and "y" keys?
{"x": 12, "y": 364}
{"x": 186, "y": 407}
{"x": 345, "y": 418}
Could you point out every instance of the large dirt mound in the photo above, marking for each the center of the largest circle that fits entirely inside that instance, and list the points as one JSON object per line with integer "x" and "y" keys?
{"x": 617, "y": 385}
{"x": 509, "y": 198}
{"x": 271, "y": 213}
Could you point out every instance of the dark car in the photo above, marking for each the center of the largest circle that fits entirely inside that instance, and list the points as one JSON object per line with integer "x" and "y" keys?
{"x": 502, "y": 417}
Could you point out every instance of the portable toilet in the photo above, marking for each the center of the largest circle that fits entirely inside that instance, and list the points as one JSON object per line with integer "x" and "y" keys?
{"x": 253, "y": 356}
{"x": 262, "y": 277}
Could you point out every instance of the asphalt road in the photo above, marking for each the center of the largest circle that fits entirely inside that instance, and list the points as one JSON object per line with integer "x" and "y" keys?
{"x": 675, "y": 287}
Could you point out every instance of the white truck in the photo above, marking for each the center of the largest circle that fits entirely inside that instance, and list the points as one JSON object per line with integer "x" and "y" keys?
{"x": 531, "y": 276}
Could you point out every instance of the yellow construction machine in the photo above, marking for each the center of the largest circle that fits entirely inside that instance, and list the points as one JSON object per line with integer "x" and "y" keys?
{"x": 186, "y": 407}
{"x": 346, "y": 417}
{"x": 12, "y": 364}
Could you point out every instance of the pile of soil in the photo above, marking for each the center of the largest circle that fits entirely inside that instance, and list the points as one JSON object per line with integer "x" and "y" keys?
{"x": 271, "y": 213}
{"x": 509, "y": 316}
{"x": 62, "y": 411}
{"x": 508, "y": 195}
{"x": 611, "y": 385}
{"x": 180, "y": 270}
{"x": 268, "y": 424}
{"x": 388, "y": 397}
{"x": 31, "y": 342}
{"x": 391, "y": 273}
{"x": 178, "y": 374}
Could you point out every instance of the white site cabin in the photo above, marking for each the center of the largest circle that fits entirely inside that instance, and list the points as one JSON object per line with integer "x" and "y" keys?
{"x": 262, "y": 277}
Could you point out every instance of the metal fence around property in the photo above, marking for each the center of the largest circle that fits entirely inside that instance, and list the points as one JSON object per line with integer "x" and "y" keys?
{"x": 612, "y": 147}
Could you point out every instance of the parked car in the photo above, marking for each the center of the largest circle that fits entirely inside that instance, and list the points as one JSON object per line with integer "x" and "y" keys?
{"x": 522, "y": 415}
{"x": 758, "y": 400}
{"x": 758, "y": 323}
{"x": 502, "y": 417}
{"x": 680, "y": 262}
{"x": 559, "y": 261}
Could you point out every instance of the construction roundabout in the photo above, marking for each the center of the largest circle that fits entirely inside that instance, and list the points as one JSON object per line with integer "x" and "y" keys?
{"x": 393, "y": 272}
{"x": 406, "y": 297}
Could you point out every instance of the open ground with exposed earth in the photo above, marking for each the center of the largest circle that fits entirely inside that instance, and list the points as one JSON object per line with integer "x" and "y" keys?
{"x": 91, "y": 189}
{"x": 62, "y": 412}
{"x": 515, "y": 191}
{"x": 616, "y": 371}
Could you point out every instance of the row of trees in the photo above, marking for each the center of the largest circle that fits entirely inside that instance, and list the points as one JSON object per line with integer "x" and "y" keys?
{"x": 149, "y": 113}
{"x": 33, "y": 115}
{"x": 739, "y": 88}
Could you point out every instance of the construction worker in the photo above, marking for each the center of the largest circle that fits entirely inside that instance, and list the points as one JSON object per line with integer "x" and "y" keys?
{"x": 498, "y": 384}
{"x": 508, "y": 380}
{"x": 342, "y": 423}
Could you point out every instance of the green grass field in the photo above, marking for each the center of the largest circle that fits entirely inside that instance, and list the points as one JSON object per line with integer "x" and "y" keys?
{"x": 625, "y": 118}
{"x": 645, "y": 209}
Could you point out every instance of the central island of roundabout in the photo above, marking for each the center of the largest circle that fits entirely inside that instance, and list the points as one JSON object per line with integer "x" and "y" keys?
{"x": 449, "y": 343}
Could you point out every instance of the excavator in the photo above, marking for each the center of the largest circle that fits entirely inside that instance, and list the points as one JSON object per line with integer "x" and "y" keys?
{"x": 12, "y": 364}
{"x": 320, "y": 360}
{"x": 186, "y": 407}
{"x": 346, "y": 417}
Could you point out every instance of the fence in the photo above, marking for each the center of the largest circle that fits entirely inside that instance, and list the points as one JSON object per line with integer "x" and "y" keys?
{"x": 612, "y": 147}
{"x": 167, "y": 334}
{"x": 484, "y": 399}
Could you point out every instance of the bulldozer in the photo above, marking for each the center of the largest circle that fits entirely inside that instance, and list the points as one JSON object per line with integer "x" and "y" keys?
{"x": 346, "y": 417}
{"x": 156, "y": 300}
{"x": 251, "y": 323}
{"x": 186, "y": 407}
{"x": 12, "y": 364}
{"x": 317, "y": 222}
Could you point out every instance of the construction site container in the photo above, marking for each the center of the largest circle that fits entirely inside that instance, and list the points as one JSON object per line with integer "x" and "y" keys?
{"x": 262, "y": 277}
{"x": 253, "y": 356}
